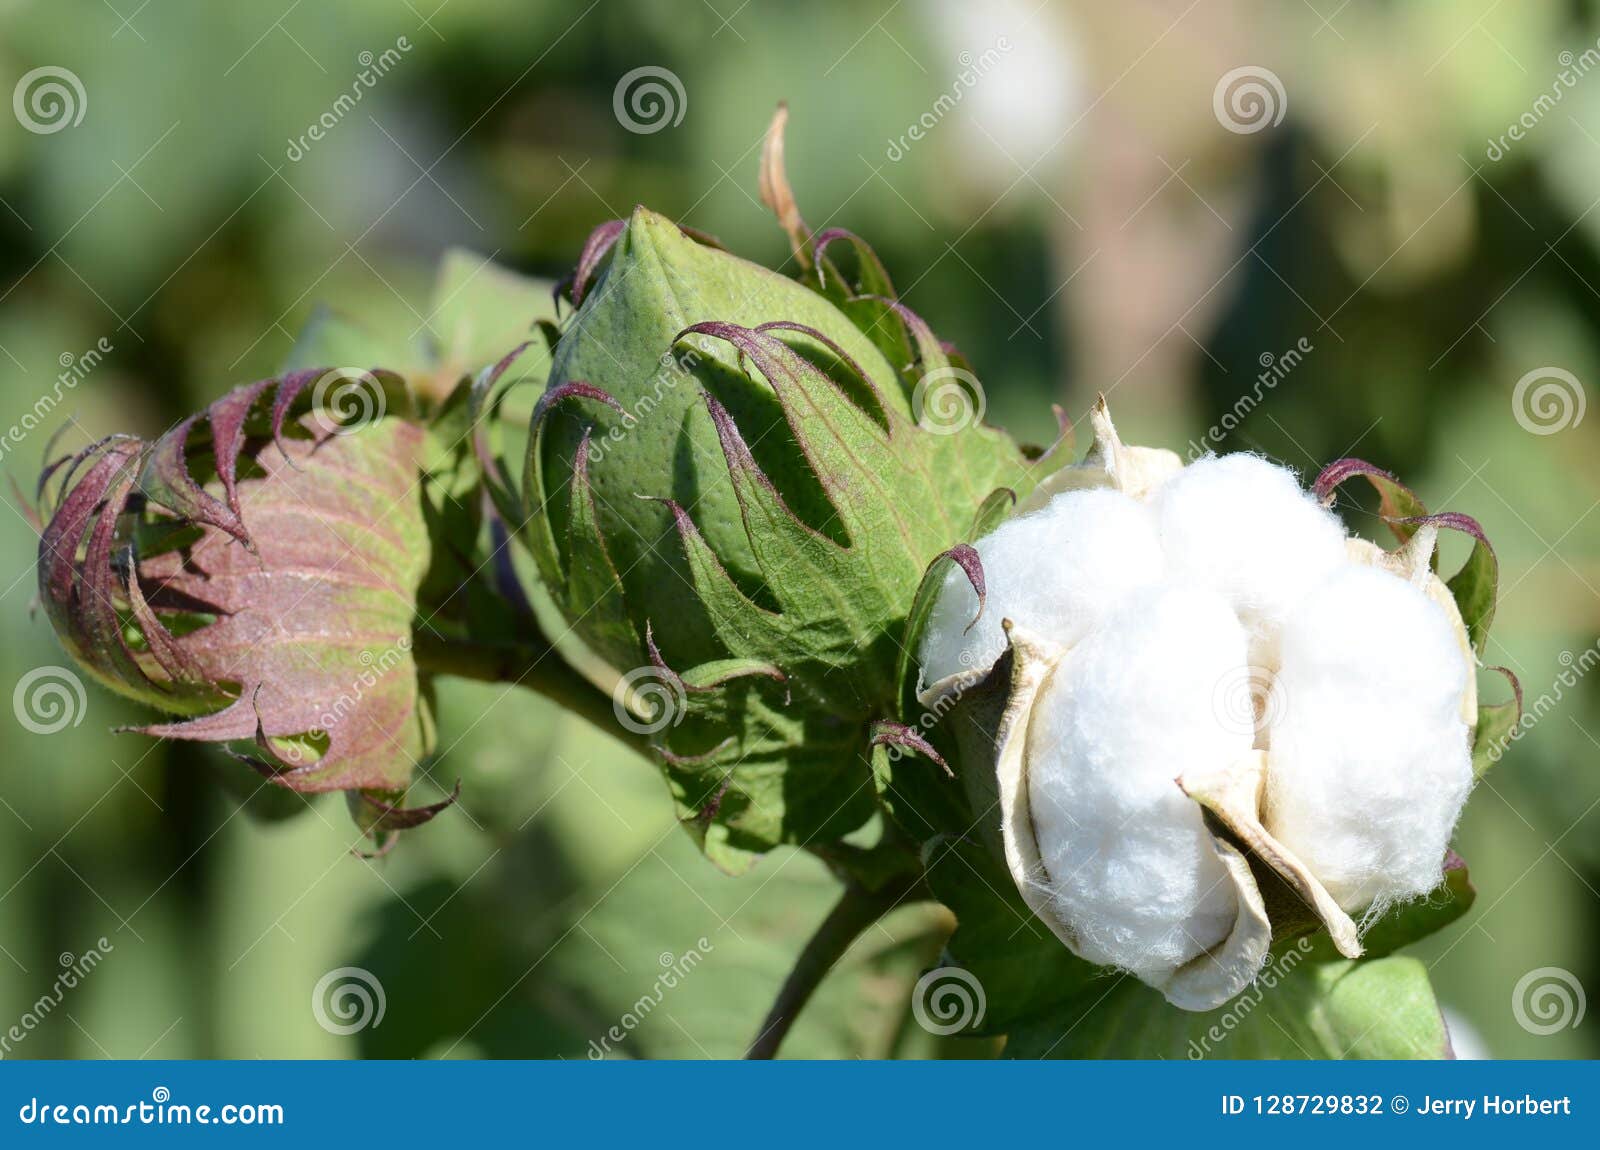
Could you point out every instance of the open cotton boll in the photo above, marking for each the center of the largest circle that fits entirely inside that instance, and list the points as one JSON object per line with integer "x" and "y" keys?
{"x": 1054, "y": 571}
{"x": 1243, "y": 527}
{"x": 1128, "y": 862}
{"x": 1370, "y": 761}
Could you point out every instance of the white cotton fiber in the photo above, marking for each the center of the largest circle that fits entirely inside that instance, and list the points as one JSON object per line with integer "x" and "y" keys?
{"x": 1055, "y": 571}
{"x": 1242, "y": 527}
{"x": 1370, "y": 761}
{"x": 1128, "y": 862}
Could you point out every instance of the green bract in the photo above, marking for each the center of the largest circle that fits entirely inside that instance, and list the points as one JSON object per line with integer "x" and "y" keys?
{"x": 735, "y": 484}
{"x": 255, "y": 572}
{"x": 281, "y": 571}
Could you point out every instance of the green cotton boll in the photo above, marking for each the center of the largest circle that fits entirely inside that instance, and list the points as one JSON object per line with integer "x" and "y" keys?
{"x": 663, "y": 443}
{"x": 736, "y": 484}
{"x": 726, "y": 462}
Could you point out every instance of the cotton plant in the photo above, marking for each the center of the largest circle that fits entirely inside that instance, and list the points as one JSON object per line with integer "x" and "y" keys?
{"x": 1144, "y": 728}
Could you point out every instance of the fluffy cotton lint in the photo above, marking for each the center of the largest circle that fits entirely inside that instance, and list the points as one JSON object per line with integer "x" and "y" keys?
{"x": 1055, "y": 571}
{"x": 1128, "y": 862}
{"x": 1242, "y": 527}
{"x": 1370, "y": 761}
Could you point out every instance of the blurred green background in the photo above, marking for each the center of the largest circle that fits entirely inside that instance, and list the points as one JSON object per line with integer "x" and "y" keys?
{"x": 1085, "y": 211}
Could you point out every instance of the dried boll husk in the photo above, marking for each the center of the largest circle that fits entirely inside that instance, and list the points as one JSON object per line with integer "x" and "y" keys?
{"x": 1202, "y": 982}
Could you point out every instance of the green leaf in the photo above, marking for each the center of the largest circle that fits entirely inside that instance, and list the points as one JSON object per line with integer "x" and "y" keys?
{"x": 1411, "y": 921}
{"x": 993, "y": 511}
{"x": 1476, "y": 585}
{"x": 331, "y": 338}
{"x": 1297, "y": 1009}
{"x": 1497, "y": 727}
{"x": 749, "y": 771}
{"x": 1024, "y": 970}
{"x": 480, "y": 311}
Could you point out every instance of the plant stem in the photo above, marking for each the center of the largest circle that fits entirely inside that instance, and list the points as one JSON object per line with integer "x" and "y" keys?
{"x": 858, "y": 908}
{"x": 535, "y": 665}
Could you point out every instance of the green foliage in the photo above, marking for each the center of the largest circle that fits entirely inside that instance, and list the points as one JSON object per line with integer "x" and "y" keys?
{"x": 1377, "y": 1009}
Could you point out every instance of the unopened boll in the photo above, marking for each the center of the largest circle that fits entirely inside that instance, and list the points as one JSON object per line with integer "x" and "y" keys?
{"x": 1055, "y": 571}
{"x": 1242, "y": 527}
{"x": 1129, "y": 864}
{"x": 1370, "y": 760}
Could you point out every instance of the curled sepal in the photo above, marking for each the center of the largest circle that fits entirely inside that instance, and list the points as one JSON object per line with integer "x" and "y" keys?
{"x": 1397, "y": 503}
{"x": 1135, "y": 471}
{"x": 595, "y": 250}
{"x": 1205, "y": 981}
{"x": 254, "y": 574}
{"x": 381, "y": 816}
{"x": 996, "y": 507}
{"x": 889, "y": 734}
{"x": 872, "y": 278}
{"x": 776, "y": 193}
{"x": 483, "y": 404}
